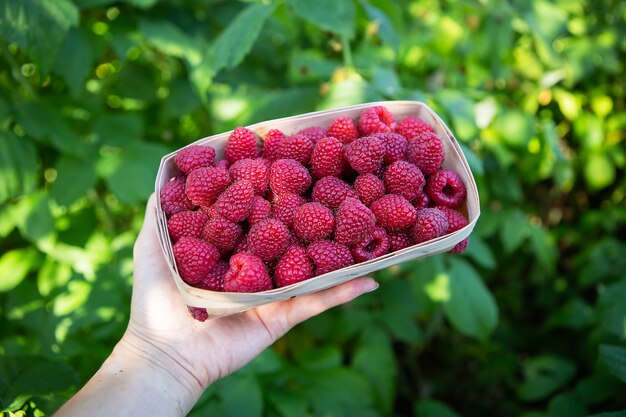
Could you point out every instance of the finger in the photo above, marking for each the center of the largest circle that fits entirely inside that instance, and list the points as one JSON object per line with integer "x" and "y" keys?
{"x": 149, "y": 222}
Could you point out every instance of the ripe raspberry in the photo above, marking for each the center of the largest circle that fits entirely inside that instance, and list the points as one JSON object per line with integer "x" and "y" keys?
{"x": 222, "y": 233}
{"x": 429, "y": 224}
{"x": 375, "y": 245}
{"x": 461, "y": 246}
{"x": 242, "y": 246}
{"x": 204, "y": 185}
{"x": 313, "y": 221}
{"x": 296, "y": 147}
{"x": 421, "y": 201}
{"x": 235, "y": 203}
{"x": 405, "y": 179}
{"x": 222, "y": 164}
{"x": 254, "y": 170}
{"x": 173, "y": 197}
{"x": 241, "y": 144}
{"x": 331, "y": 191}
{"x": 194, "y": 156}
{"x": 186, "y": 223}
{"x": 285, "y": 206}
{"x": 271, "y": 144}
{"x": 289, "y": 176}
{"x": 411, "y": 127}
{"x": 247, "y": 273}
{"x": 365, "y": 154}
{"x": 327, "y": 158}
{"x": 261, "y": 209}
{"x": 294, "y": 266}
{"x": 194, "y": 258}
{"x": 268, "y": 239}
{"x": 214, "y": 280}
{"x": 456, "y": 221}
{"x": 376, "y": 119}
{"x": 369, "y": 188}
{"x": 209, "y": 211}
{"x": 198, "y": 313}
{"x": 329, "y": 256}
{"x": 446, "y": 188}
{"x": 393, "y": 212}
{"x": 426, "y": 151}
{"x": 399, "y": 240}
{"x": 395, "y": 146}
{"x": 344, "y": 129}
{"x": 314, "y": 133}
{"x": 355, "y": 222}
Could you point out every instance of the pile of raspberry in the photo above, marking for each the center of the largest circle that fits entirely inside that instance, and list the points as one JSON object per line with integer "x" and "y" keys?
{"x": 309, "y": 203}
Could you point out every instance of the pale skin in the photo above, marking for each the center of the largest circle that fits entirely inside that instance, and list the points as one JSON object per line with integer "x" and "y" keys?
{"x": 166, "y": 359}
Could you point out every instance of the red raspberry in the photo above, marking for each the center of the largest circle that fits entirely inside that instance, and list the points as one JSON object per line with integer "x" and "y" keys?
{"x": 314, "y": 133}
{"x": 375, "y": 245}
{"x": 254, "y": 170}
{"x": 399, "y": 240}
{"x": 429, "y": 224}
{"x": 421, "y": 201}
{"x": 313, "y": 221}
{"x": 327, "y": 158}
{"x": 194, "y": 258}
{"x": 393, "y": 212}
{"x": 186, "y": 223}
{"x": 294, "y": 266}
{"x": 204, "y": 185}
{"x": 411, "y": 127}
{"x": 268, "y": 239}
{"x": 198, "y": 313}
{"x": 456, "y": 221}
{"x": 271, "y": 144}
{"x": 242, "y": 246}
{"x": 261, "y": 209}
{"x": 223, "y": 233}
{"x": 344, "y": 129}
{"x": 241, "y": 144}
{"x": 222, "y": 164}
{"x": 296, "y": 147}
{"x": 235, "y": 203}
{"x": 285, "y": 206}
{"x": 365, "y": 154}
{"x": 247, "y": 273}
{"x": 376, "y": 119}
{"x": 329, "y": 256}
{"x": 173, "y": 197}
{"x": 355, "y": 222}
{"x": 461, "y": 246}
{"x": 289, "y": 176}
{"x": 209, "y": 211}
{"x": 446, "y": 188}
{"x": 194, "y": 156}
{"x": 331, "y": 191}
{"x": 369, "y": 188}
{"x": 405, "y": 179}
{"x": 214, "y": 280}
{"x": 426, "y": 151}
{"x": 395, "y": 146}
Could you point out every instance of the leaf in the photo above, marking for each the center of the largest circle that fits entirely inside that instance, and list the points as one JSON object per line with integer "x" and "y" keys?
{"x": 514, "y": 230}
{"x": 288, "y": 404}
{"x": 567, "y": 404}
{"x": 74, "y": 178}
{"x": 544, "y": 375}
{"x": 39, "y": 223}
{"x": 333, "y": 15}
{"x": 433, "y": 408}
{"x": 171, "y": 40}
{"x": 241, "y": 397}
{"x": 318, "y": 358}
{"x": 611, "y": 414}
{"x": 386, "y": 31}
{"x": 544, "y": 247}
{"x": 322, "y": 390}
{"x": 14, "y": 265}
{"x": 471, "y": 308}
{"x": 18, "y": 166}
{"x": 480, "y": 252}
{"x": 599, "y": 171}
{"x": 386, "y": 82}
{"x": 118, "y": 129}
{"x": 75, "y": 59}
{"x": 614, "y": 359}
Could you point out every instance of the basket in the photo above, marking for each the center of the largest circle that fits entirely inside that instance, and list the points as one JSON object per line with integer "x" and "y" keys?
{"x": 225, "y": 303}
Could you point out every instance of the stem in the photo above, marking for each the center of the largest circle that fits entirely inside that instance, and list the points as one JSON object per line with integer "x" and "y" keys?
{"x": 347, "y": 52}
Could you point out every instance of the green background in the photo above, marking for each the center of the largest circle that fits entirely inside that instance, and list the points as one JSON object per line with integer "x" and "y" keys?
{"x": 531, "y": 321}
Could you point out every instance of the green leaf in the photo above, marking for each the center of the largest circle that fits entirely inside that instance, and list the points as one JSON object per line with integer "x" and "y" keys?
{"x": 471, "y": 308}
{"x": 317, "y": 358}
{"x": 288, "y": 404}
{"x": 433, "y": 408}
{"x": 386, "y": 81}
{"x": 515, "y": 229}
{"x": 333, "y": 15}
{"x": 614, "y": 358}
{"x": 544, "y": 375}
{"x": 75, "y": 59}
{"x": 480, "y": 252}
{"x": 118, "y": 129}
{"x": 386, "y": 31}
{"x": 544, "y": 247}
{"x": 171, "y": 40}
{"x": 611, "y": 414}
{"x": 241, "y": 397}
{"x": 567, "y": 404}
{"x": 39, "y": 223}
{"x": 322, "y": 390}
{"x": 18, "y": 166}
{"x": 599, "y": 171}
{"x": 74, "y": 178}
{"x": 14, "y": 265}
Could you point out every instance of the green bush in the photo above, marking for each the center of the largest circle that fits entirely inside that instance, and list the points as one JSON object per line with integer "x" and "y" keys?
{"x": 530, "y": 321}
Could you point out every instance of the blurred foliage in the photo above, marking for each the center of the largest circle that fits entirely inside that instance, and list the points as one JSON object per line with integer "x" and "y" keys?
{"x": 531, "y": 321}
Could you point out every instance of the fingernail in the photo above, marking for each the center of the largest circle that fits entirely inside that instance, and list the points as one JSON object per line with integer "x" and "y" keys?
{"x": 374, "y": 288}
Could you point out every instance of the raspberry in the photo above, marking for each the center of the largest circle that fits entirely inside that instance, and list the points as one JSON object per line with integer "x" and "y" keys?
{"x": 222, "y": 233}
{"x": 294, "y": 266}
{"x": 254, "y": 170}
{"x": 412, "y": 126}
{"x": 456, "y": 221}
{"x": 271, "y": 144}
{"x": 355, "y": 222}
{"x": 399, "y": 240}
{"x": 429, "y": 224}
{"x": 285, "y": 206}
{"x": 369, "y": 188}
{"x": 261, "y": 209}
{"x": 395, "y": 146}
{"x": 204, "y": 185}
{"x": 331, "y": 191}
{"x": 209, "y": 211}
{"x": 365, "y": 154}
{"x": 426, "y": 151}
{"x": 446, "y": 188}
{"x": 186, "y": 223}
{"x": 194, "y": 156}
{"x": 393, "y": 212}
{"x": 313, "y": 221}
{"x": 314, "y": 133}
{"x": 375, "y": 245}
{"x": 296, "y": 147}
{"x": 241, "y": 144}
{"x": 327, "y": 158}
{"x": 461, "y": 246}
{"x": 173, "y": 197}
{"x": 222, "y": 164}
{"x": 242, "y": 246}
{"x": 421, "y": 201}
{"x": 214, "y": 280}
{"x": 235, "y": 202}
{"x": 404, "y": 179}
{"x": 268, "y": 239}
{"x": 329, "y": 256}
{"x": 198, "y": 313}
{"x": 289, "y": 176}
{"x": 247, "y": 273}
{"x": 376, "y": 119}
{"x": 344, "y": 129}
{"x": 194, "y": 258}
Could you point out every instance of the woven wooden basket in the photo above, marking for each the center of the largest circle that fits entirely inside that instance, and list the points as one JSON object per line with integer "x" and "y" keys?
{"x": 224, "y": 303}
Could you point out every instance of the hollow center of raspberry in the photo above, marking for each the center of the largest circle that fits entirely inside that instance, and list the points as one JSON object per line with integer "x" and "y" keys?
{"x": 371, "y": 247}
{"x": 448, "y": 190}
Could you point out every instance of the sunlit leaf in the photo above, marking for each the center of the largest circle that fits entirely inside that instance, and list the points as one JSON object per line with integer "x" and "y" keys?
{"x": 14, "y": 265}
{"x": 334, "y": 15}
